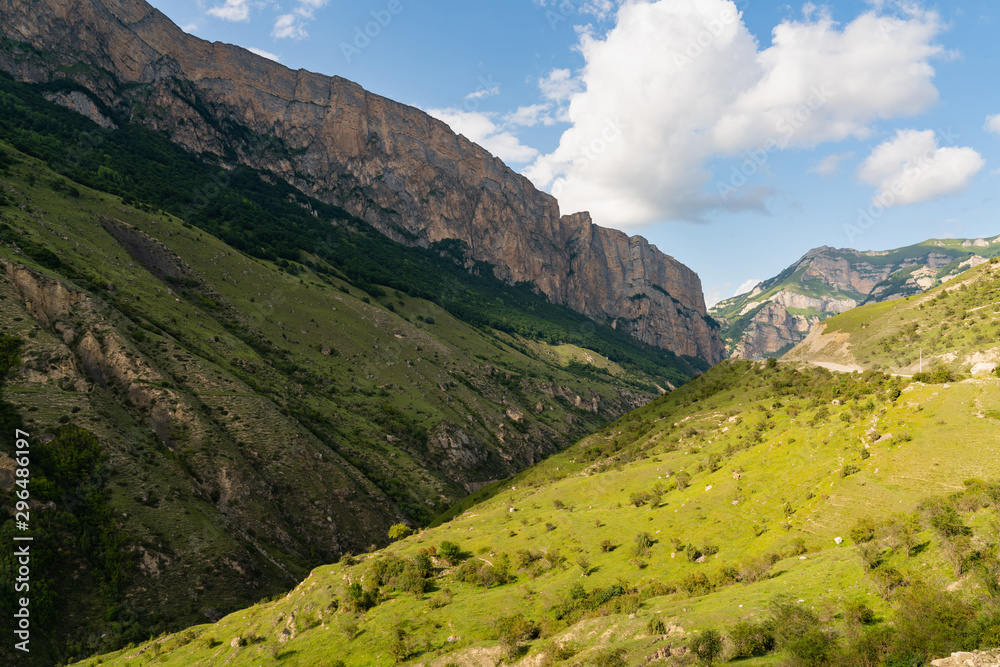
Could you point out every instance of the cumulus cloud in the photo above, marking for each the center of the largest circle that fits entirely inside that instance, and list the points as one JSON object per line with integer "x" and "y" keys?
{"x": 911, "y": 168}
{"x": 829, "y": 165}
{"x": 232, "y": 10}
{"x": 264, "y": 54}
{"x": 993, "y": 124}
{"x": 676, "y": 83}
{"x": 482, "y": 128}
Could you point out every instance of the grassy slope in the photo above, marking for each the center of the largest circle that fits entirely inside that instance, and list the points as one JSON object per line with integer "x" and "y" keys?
{"x": 220, "y": 499}
{"x": 950, "y": 324}
{"x": 786, "y": 434}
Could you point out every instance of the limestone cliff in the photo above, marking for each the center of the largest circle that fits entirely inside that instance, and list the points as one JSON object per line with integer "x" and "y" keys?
{"x": 778, "y": 313}
{"x": 396, "y": 167}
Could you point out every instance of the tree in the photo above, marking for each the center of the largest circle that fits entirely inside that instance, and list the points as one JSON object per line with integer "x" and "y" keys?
{"x": 707, "y": 646}
{"x": 399, "y": 531}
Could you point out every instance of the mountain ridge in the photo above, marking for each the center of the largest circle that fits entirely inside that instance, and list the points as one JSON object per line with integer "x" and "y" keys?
{"x": 778, "y": 313}
{"x": 402, "y": 171}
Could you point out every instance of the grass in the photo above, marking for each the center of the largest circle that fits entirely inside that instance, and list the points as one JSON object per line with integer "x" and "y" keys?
{"x": 763, "y": 448}
{"x": 262, "y": 422}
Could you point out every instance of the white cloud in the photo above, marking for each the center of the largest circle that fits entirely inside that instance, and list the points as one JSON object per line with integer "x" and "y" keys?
{"x": 289, "y": 26}
{"x": 559, "y": 85}
{"x": 480, "y": 128}
{"x": 264, "y": 54}
{"x": 232, "y": 10}
{"x": 600, "y": 9}
{"x": 483, "y": 93}
{"x": 911, "y": 168}
{"x": 189, "y": 28}
{"x": 293, "y": 24}
{"x": 746, "y": 287}
{"x": 531, "y": 116}
{"x": 675, "y": 84}
{"x": 829, "y": 165}
{"x": 993, "y": 124}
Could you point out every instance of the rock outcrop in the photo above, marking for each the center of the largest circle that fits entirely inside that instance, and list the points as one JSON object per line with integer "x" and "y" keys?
{"x": 970, "y": 659}
{"x": 396, "y": 167}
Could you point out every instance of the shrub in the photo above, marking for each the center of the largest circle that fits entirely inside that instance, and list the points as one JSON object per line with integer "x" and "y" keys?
{"x": 639, "y": 498}
{"x": 751, "y": 639}
{"x": 608, "y": 546}
{"x": 642, "y": 545}
{"x": 797, "y": 630}
{"x": 451, "y": 552}
{"x": 399, "y": 531}
{"x": 513, "y": 631}
{"x": 931, "y": 622}
{"x": 858, "y": 612}
{"x": 707, "y": 645}
{"x": 610, "y": 657}
{"x": 656, "y": 626}
{"x": 863, "y": 531}
{"x": 696, "y": 583}
{"x": 755, "y": 570}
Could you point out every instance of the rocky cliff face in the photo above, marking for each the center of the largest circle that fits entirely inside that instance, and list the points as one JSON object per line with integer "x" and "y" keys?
{"x": 779, "y": 312}
{"x": 401, "y": 170}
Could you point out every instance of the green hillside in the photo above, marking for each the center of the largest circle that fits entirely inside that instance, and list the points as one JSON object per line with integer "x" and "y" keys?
{"x": 954, "y": 329}
{"x": 809, "y": 518}
{"x": 261, "y": 411}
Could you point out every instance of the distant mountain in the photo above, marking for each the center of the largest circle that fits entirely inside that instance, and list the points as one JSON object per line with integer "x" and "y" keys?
{"x": 402, "y": 171}
{"x": 949, "y": 331}
{"x": 778, "y": 313}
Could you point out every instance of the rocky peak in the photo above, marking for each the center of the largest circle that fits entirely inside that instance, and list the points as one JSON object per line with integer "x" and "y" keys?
{"x": 396, "y": 167}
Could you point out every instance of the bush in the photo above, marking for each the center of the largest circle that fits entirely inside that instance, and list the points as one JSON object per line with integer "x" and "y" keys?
{"x": 610, "y": 657}
{"x": 932, "y": 622}
{"x": 751, "y": 639}
{"x": 513, "y": 631}
{"x": 656, "y": 626}
{"x": 399, "y": 531}
{"x": 451, "y": 553}
{"x": 797, "y": 630}
{"x": 707, "y": 645}
{"x": 755, "y": 570}
{"x": 863, "y": 531}
{"x": 643, "y": 545}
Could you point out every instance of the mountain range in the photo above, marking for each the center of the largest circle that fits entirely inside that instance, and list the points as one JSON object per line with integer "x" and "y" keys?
{"x": 402, "y": 171}
{"x": 310, "y": 379}
{"x": 778, "y": 313}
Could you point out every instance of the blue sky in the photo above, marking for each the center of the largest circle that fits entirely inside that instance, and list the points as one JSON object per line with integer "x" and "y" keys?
{"x": 733, "y": 135}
